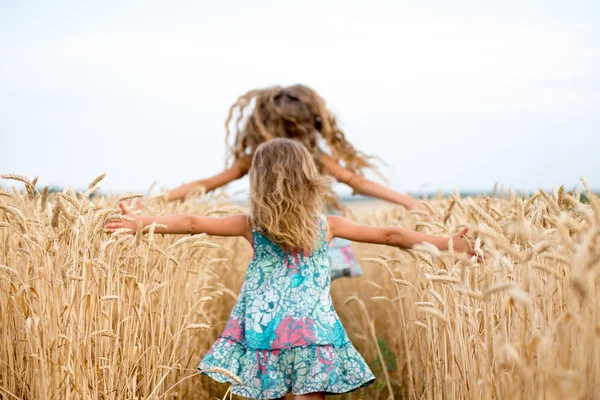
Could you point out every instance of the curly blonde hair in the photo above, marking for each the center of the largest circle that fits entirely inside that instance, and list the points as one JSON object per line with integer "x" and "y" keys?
{"x": 286, "y": 194}
{"x": 295, "y": 112}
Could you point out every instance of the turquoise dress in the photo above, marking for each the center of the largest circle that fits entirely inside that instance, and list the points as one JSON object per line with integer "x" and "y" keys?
{"x": 283, "y": 334}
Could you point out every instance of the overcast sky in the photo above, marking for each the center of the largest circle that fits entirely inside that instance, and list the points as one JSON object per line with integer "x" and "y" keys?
{"x": 450, "y": 94}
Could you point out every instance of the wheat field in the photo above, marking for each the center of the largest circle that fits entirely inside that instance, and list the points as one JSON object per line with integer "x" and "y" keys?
{"x": 87, "y": 315}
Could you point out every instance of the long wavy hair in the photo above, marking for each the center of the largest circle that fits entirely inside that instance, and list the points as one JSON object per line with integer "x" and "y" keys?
{"x": 294, "y": 112}
{"x": 286, "y": 194}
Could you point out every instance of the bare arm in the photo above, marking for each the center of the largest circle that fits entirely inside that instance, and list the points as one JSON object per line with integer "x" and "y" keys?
{"x": 234, "y": 225}
{"x": 367, "y": 187}
{"x": 391, "y": 236}
{"x": 236, "y": 171}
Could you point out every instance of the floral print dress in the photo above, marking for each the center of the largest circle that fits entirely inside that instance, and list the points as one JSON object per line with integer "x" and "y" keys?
{"x": 283, "y": 334}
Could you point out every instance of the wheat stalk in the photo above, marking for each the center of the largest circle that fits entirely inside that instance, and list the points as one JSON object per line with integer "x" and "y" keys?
{"x": 130, "y": 196}
{"x": 16, "y": 177}
{"x": 96, "y": 181}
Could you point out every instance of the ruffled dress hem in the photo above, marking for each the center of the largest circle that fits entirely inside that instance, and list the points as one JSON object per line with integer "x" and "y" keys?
{"x": 271, "y": 374}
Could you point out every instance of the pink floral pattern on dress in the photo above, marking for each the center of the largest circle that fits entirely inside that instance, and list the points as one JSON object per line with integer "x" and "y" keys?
{"x": 264, "y": 358}
{"x": 294, "y": 332}
{"x": 292, "y": 264}
{"x": 233, "y": 329}
{"x": 326, "y": 356}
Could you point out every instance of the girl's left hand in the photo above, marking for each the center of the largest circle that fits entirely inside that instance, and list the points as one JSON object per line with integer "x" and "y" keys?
{"x": 460, "y": 243}
{"x": 115, "y": 224}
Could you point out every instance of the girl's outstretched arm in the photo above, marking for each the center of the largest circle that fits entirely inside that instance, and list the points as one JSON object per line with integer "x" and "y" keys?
{"x": 367, "y": 187}
{"x": 398, "y": 237}
{"x": 238, "y": 169}
{"x": 234, "y": 225}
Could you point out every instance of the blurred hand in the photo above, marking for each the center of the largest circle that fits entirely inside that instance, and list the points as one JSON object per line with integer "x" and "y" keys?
{"x": 113, "y": 225}
{"x": 462, "y": 245}
{"x": 138, "y": 204}
{"x": 417, "y": 205}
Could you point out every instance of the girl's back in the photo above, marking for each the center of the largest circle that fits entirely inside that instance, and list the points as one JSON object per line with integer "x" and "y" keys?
{"x": 286, "y": 297}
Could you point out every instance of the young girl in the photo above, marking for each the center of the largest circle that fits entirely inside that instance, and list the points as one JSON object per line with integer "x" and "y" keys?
{"x": 283, "y": 334}
{"x": 299, "y": 113}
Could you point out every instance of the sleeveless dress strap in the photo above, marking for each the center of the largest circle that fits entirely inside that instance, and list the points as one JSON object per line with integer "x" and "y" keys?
{"x": 322, "y": 222}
